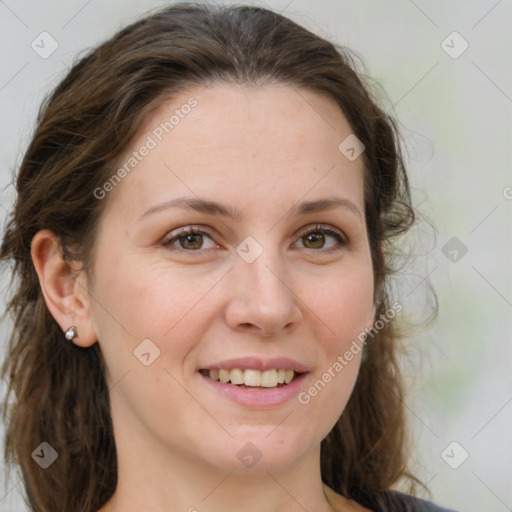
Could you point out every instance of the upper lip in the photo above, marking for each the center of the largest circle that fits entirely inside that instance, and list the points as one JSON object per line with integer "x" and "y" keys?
{"x": 257, "y": 363}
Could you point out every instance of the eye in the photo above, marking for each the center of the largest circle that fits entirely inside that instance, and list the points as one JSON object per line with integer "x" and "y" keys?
{"x": 189, "y": 238}
{"x": 316, "y": 237}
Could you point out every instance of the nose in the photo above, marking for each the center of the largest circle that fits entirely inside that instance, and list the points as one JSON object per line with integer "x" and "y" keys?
{"x": 263, "y": 299}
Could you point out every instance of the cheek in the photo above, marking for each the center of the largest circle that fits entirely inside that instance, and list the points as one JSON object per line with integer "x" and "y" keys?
{"x": 343, "y": 305}
{"x": 148, "y": 300}
{"x": 140, "y": 300}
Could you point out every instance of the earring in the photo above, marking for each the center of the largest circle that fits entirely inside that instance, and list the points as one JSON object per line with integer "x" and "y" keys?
{"x": 70, "y": 334}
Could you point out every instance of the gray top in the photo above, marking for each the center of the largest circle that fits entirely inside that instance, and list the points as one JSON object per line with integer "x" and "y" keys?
{"x": 394, "y": 501}
{"x": 419, "y": 505}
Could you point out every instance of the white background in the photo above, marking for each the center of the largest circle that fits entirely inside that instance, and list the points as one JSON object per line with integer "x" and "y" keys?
{"x": 456, "y": 120}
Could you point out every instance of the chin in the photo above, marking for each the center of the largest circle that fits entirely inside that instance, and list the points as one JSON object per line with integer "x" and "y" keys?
{"x": 258, "y": 452}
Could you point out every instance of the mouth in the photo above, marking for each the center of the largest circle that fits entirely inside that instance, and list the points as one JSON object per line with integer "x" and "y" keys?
{"x": 250, "y": 378}
{"x": 254, "y": 382}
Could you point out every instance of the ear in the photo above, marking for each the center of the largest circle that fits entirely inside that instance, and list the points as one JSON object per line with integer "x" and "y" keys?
{"x": 65, "y": 289}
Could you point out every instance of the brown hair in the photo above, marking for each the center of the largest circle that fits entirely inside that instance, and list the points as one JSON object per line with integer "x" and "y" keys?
{"x": 60, "y": 392}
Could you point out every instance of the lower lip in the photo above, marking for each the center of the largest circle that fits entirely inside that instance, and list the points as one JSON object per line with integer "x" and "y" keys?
{"x": 260, "y": 398}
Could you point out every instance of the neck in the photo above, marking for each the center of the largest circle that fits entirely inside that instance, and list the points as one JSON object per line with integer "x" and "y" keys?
{"x": 162, "y": 482}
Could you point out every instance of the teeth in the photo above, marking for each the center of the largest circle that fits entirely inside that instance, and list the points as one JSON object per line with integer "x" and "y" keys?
{"x": 269, "y": 379}
{"x": 224, "y": 375}
{"x": 236, "y": 376}
{"x": 253, "y": 378}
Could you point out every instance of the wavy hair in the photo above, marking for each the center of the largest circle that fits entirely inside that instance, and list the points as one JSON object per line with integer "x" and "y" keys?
{"x": 58, "y": 390}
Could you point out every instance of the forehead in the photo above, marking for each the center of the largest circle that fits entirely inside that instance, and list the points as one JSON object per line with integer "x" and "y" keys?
{"x": 226, "y": 139}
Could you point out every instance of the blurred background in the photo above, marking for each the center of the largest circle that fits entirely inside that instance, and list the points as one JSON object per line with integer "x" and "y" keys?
{"x": 444, "y": 68}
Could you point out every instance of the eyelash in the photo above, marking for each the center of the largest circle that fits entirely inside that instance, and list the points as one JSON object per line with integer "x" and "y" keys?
{"x": 194, "y": 230}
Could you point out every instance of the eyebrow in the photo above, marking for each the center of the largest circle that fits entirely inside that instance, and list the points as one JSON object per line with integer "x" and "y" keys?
{"x": 219, "y": 209}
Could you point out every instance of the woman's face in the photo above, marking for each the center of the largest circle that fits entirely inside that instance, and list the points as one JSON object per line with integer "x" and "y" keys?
{"x": 268, "y": 287}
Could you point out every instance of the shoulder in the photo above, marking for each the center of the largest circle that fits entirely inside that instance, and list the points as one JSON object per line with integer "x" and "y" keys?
{"x": 383, "y": 501}
{"x": 414, "y": 504}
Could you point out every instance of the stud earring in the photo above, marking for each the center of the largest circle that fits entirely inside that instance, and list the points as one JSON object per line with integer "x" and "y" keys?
{"x": 70, "y": 334}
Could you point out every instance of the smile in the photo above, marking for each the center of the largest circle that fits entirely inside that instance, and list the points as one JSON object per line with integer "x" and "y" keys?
{"x": 255, "y": 382}
{"x": 252, "y": 378}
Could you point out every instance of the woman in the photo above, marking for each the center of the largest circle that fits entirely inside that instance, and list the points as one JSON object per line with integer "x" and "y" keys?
{"x": 202, "y": 242}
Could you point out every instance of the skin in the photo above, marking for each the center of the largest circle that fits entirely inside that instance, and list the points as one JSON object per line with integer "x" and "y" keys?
{"x": 261, "y": 151}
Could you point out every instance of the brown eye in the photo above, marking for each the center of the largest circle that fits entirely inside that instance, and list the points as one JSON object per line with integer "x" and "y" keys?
{"x": 192, "y": 241}
{"x": 315, "y": 238}
{"x": 189, "y": 239}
